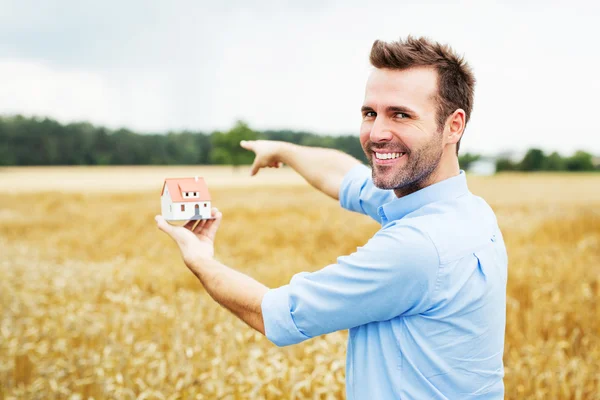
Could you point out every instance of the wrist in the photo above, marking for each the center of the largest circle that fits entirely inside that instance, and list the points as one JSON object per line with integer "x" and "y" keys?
{"x": 285, "y": 151}
{"x": 203, "y": 266}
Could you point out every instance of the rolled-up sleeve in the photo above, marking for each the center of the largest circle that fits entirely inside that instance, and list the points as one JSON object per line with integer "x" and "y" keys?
{"x": 394, "y": 274}
{"x": 358, "y": 193}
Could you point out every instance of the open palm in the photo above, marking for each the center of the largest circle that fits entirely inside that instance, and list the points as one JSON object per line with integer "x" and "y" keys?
{"x": 195, "y": 243}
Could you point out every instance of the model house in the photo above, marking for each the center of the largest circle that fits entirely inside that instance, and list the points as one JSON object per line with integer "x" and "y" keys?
{"x": 185, "y": 199}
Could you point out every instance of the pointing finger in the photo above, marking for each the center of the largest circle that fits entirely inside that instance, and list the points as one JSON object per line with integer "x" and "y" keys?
{"x": 247, "y": 144}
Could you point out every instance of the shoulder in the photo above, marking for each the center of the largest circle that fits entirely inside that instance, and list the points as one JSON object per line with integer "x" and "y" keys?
{"x": 458, "y": 226}
{"x": 358, "y": 193}
{"x": 401, "y": 245}
{"x": 405, "y": 236}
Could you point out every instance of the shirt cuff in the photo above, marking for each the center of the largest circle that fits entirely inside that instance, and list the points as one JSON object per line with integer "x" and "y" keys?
{"x": 280, "y": 327}
{"x": 351, "y": 185}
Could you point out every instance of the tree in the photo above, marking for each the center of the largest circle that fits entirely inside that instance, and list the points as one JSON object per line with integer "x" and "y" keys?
{"x": 580, "y": 161}
{"x": 504, "y": 164}
{"x": 351, "y": 145}
{"x": 226, "y": 147}
{"x": 555, "y": 162}
{"x": 534, "y": 160}
{"x": 203, "y": 148}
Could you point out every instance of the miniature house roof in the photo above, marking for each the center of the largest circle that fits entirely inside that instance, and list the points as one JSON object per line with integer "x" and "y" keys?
{"x": 179, "y": 185}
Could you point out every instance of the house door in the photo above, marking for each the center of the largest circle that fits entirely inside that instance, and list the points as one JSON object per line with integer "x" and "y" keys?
{"x": 197, "y": 210}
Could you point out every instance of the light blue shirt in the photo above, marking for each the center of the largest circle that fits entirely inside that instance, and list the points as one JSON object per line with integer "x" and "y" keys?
{"x": 424, "y": 299}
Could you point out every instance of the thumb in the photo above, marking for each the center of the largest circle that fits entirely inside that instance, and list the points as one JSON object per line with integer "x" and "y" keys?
{"x": 163, "y": 225}
{"x": 212, "y": 226}
{"x": 255, "y": 167}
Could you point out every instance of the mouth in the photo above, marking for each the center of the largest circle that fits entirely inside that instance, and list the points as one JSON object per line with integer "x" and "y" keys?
{"x": 387, "y": 158}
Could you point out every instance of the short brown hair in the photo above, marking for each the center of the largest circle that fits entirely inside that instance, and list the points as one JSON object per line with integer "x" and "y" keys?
{"x": 456, "y": 82}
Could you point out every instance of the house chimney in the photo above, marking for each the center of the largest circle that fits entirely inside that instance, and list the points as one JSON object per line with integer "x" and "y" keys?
{"x": 196, "y": 178}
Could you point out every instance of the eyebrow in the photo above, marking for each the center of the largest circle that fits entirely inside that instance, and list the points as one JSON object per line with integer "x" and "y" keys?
{"x": 391, "y": 109}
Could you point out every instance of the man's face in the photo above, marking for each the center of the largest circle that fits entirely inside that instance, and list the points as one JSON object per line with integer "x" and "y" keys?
{"x": 399, "y": 132}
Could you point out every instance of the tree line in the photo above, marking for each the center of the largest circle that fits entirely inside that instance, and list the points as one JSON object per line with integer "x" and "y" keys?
{"x": 44, "y": 141}
{"x": 537, "y": 160}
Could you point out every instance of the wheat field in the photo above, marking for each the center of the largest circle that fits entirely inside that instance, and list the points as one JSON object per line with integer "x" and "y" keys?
{"x": 95, "y": 301}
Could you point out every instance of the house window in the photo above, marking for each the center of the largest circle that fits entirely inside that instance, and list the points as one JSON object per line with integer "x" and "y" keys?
{"x": 204, "y": 204}
{"x": 183, "y": 207}
{"x": 194, "y": 193}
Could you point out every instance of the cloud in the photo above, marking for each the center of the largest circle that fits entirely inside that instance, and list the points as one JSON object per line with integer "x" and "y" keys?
{"x": 155, "y": 66}
{"x": 41, "y": 90}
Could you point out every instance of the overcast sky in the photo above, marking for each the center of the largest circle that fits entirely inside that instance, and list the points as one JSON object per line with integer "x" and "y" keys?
{"x": 156, "y": 66}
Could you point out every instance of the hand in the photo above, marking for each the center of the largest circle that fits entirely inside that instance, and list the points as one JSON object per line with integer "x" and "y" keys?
{"x": 267, "y": 153}
{"x": 196, "y": 244}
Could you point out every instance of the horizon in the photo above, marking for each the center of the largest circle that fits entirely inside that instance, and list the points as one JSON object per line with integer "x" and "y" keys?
{"x": 512, "y": 154}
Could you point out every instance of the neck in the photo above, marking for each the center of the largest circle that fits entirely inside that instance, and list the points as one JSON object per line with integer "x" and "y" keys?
{"x": 446, "y": 168}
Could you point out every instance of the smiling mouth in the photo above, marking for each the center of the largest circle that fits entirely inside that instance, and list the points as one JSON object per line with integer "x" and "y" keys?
{"x": 387, "y": 158}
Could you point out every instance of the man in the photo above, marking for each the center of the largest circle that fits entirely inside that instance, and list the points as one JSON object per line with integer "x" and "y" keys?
{"x": 424, "y": 298}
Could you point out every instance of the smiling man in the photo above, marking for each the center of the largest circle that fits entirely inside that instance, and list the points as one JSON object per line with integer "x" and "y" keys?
{"x": 424, "y": 299}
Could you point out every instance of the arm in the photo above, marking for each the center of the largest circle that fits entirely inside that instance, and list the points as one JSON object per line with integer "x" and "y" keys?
{"x": 358, "y": 193}
{"x": 394, "y": 274}
{"x": 323, "y": 168}
{"x": 235, "y": 291}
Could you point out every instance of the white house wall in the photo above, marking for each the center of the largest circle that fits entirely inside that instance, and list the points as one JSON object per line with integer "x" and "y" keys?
{"x": 165, "y": 202}
{"x": 205, "y": 211}
{"x": 190, "y": 210}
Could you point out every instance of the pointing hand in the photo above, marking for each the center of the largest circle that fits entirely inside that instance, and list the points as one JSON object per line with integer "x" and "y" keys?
{"x": 267, "y": 154}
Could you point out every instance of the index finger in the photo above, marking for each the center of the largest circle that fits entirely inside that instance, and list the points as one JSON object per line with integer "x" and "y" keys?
{"x": 247, "y": 144}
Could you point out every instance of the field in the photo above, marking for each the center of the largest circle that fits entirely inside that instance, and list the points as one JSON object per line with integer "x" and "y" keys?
{"x": 96, "y": 302}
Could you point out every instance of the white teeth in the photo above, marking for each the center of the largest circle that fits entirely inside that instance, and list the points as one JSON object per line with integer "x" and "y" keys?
{"x": 387, "y": 156}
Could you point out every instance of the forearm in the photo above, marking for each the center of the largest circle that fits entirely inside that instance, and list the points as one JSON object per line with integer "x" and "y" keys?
{"x": 323, "y": 168}
{"x": 239, "y": 293}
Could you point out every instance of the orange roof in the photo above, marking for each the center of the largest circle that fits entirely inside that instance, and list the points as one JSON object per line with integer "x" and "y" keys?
{"x": 179, "y": 185}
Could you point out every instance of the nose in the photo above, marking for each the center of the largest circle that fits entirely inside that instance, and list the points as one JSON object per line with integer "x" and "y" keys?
{"x": 380, "y": 131}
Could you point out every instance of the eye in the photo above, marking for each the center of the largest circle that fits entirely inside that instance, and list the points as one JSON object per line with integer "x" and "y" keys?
{"x": 401, "y": 115}
{"x": 369, "y": 114}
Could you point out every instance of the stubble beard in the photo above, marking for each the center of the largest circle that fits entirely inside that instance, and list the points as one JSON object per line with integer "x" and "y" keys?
{"x": 414, "y": 174}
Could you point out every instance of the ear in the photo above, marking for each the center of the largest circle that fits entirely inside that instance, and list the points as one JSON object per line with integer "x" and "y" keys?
{"x": 455, "y": 126}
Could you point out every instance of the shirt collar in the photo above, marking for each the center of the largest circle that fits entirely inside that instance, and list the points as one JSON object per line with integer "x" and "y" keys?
{"x": 450, "y": 188}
